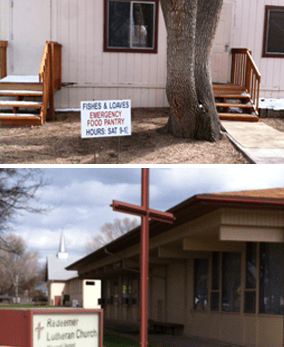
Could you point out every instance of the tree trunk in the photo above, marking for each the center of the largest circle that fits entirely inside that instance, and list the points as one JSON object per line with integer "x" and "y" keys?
{"x": 191, "y": 27}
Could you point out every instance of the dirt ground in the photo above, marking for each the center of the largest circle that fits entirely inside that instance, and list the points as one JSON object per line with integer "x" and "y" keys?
{"x": 60, "y": 142}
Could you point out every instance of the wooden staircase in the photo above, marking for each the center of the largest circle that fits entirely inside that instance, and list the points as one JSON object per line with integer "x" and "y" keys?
{"x": 21, "y": 101}
{"x": 24, "y": 100}
{"x": 238, "y": 100}
{"x": 234, "y": 103}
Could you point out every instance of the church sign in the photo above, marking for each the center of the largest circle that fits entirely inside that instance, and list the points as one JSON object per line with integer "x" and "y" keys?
{"x": 54, "y": 327}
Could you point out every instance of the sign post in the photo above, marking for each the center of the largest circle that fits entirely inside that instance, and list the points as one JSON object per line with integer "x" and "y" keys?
{"x": 145, "y": 213}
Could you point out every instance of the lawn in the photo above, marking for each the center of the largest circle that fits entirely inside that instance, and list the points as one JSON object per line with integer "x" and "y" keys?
{"x": 113, "y": 340}
{"x": 23, "y": 305}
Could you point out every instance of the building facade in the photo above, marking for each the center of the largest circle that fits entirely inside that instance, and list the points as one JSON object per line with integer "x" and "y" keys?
{"x": 218, "y": 270}
{"x": 65, "y": 288}
{"x": 117, "y": 49}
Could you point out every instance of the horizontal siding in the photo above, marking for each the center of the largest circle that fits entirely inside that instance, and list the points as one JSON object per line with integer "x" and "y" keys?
{"x": 248, "y": 33}
{"x": 253, "y": 218}
{"x": 70, "y": 97}
{"x": 4, "y": 24}
{"x": 78, "y": 26}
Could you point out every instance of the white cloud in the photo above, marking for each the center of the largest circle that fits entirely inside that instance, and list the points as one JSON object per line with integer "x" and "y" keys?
{"x": 82, "y": 197}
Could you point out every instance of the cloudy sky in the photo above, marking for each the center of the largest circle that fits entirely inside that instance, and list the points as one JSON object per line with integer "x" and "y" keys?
{"x": 81, "y": 197}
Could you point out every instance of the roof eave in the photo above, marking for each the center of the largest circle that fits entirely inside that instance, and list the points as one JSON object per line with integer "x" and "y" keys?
{"x": 212, "y": 202}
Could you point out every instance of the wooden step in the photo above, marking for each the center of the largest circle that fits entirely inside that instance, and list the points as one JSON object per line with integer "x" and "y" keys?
{"x": 224, "y": 104}
{"x": 20, "y": 86}
{"x": 20, "y": 82}
{"x": 232, "y": 96}
{"x": 20, "y": 103}
{"x": 238, "y": 117}
{"x": 20, "y": 93}
{"x": 227, "y": 88}
{"x": 19, "y": 119}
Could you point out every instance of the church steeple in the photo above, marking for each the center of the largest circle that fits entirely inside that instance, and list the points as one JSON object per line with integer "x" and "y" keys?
{"x": 62, "y": 254}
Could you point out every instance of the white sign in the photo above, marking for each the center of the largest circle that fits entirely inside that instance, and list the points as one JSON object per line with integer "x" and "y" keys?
{"x": 105, "y": 118}
{"x": 66, "y": 330}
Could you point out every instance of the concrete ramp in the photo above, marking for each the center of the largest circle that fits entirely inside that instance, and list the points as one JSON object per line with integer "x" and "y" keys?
{"x": 261, "y": 143}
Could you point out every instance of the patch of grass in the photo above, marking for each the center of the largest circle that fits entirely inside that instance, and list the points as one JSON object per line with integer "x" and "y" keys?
{"x": 24, "y": 305}
{"x": 114, "y": 340}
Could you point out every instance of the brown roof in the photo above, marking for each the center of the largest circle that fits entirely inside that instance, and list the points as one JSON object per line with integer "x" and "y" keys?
{"x": 277, "y": 193}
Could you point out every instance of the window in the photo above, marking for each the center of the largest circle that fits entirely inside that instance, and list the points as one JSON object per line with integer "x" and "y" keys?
{"x": 102, "y": 301}
{"x": 215, "y": 287}
{"x": 135, "y": 290}
{"x": 273, "y": 38}
{"x": 108, "y": 291}
{"x": 271, "y": 278}
{"x": 200, "y": 284}
{"x": 115, "y": 292}
{"x": 131, "y": 26}
{"x": 231, "y": 281}
{"x": 250, "y": 288}
{"x": 124, "y": 290}
{"x": 225, "y": 293}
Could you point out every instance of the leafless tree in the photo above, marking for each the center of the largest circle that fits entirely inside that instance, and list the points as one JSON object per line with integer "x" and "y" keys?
{"x": 191, "y": 27}
{"x": 19, "y": 268}
{"x": 111, "y": 231}
{"x": 18, "y": 188}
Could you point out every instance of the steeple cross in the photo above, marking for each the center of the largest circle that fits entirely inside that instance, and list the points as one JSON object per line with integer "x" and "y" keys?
{"x": 145, "y": 213}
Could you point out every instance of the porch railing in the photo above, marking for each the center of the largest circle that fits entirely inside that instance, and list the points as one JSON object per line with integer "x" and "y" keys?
{"x": 56, "y": 64}
{"x": 245, "y": 73}
{"x": 50, "y": 76}
{"x": 3, "y": 58}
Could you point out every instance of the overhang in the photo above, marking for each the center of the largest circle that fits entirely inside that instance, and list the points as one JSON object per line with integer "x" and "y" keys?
{"x": 189, "y": 210}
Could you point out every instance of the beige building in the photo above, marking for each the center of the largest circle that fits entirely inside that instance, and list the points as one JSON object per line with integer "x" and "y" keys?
{"x": 218, "y": 270}
{"x": 65, "y": 288}
{"x": 108, "y": 54}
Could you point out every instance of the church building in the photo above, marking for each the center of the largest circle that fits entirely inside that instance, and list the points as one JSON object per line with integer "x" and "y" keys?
{"x": 65, "y": 288}
{"x": 217, "y": 272}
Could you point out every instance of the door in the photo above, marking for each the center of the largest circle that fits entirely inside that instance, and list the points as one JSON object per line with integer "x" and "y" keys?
{"x": 29, "y": 29}
{"x": 57, "y": 300}
{"x": 221, "y": 47}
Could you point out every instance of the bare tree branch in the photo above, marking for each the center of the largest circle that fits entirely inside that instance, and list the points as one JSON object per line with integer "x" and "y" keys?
{"x": 18, "y": 188}
{"x": 18, "y": 269}
{"x": 111, "y": 231}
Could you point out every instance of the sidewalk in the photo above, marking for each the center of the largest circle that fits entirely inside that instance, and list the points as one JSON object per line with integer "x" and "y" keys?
{"x": 260, "y": 143}
{"x": 132, "y": 331}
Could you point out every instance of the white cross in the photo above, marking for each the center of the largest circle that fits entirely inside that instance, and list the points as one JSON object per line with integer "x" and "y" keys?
{"x": 39, "y": 328}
